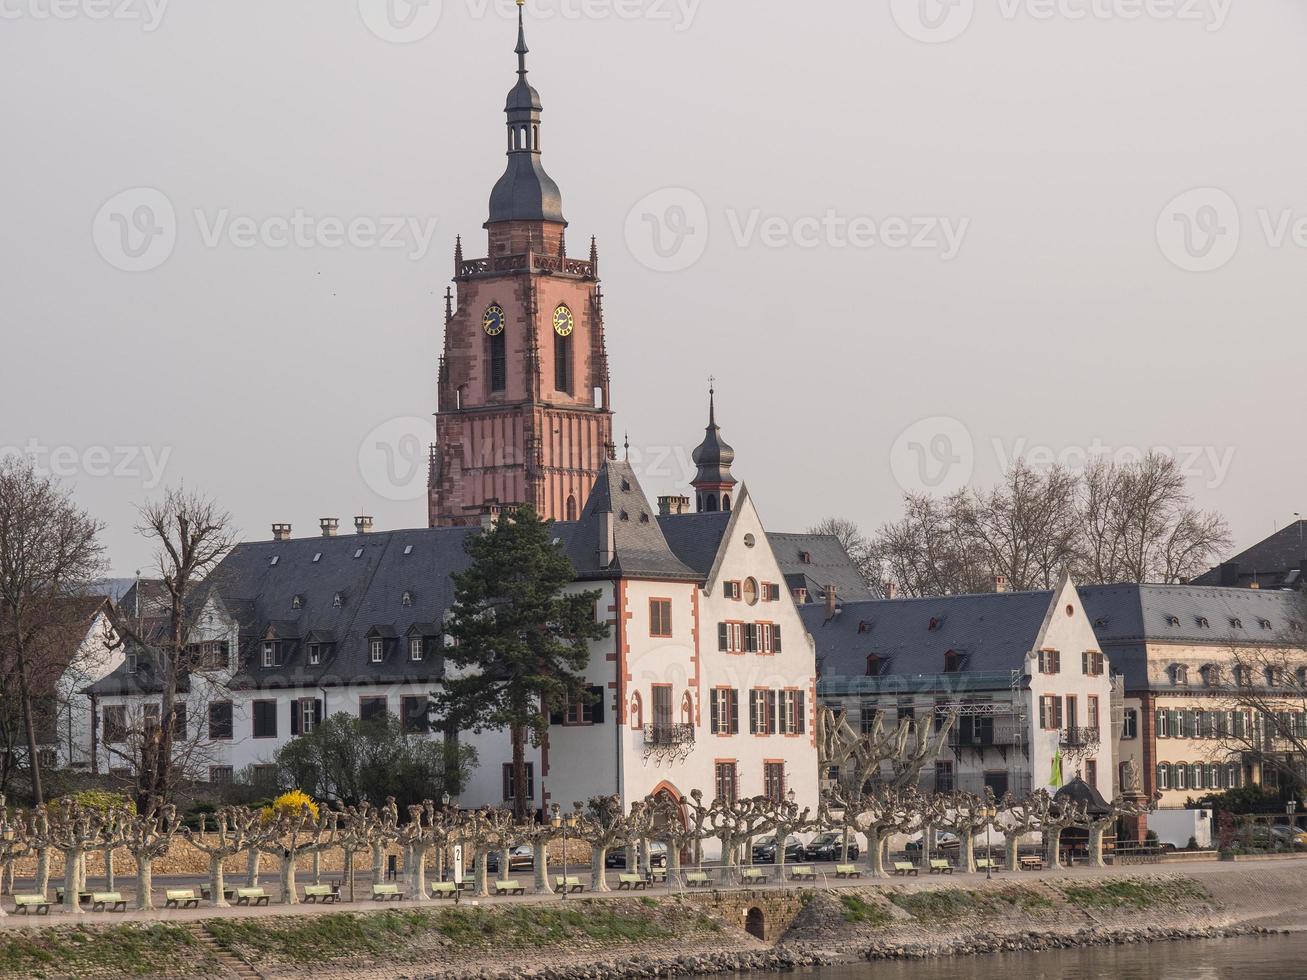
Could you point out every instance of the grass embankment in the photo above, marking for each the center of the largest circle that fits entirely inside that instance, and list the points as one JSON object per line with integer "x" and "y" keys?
{"x": 146, "y": 950}
{"x": 949, "y": 904}
{"x": 1137, "y": 894}
{"x": 399, "y": 935}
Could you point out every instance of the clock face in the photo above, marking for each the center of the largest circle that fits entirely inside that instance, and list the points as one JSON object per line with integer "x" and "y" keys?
{"x": 494, "y": 321}
{"x": 564, "y": 322}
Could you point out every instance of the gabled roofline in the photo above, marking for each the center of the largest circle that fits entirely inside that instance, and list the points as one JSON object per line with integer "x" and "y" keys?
{"x": 741, "y": 499}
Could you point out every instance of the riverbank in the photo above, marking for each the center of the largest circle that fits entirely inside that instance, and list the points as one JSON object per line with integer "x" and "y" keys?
{"x": 663, "y": 934}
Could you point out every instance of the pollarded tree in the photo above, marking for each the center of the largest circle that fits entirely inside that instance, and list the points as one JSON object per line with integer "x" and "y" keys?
{"x": 968, "y": 815}
{"x": 299, "y": 832}
{"x": 234, "y": 829}
{"x": 429, "y": 829}
{"x": 877, "y": 815}
{"x": 369, "y": 829}
{"x": 72, "y": 830}
{"x": 786, "y": 819}
{"x": 1098, "y": 826}
{"x": 862, "y": 756}
{"x": 1062, "y": 814}
{"x": 148, "y": 838}
{"x": 1022, "y": 818}
{"x": 735, "y": 823}
{"x": 489, "y": 830}
{"x": 15, "y": 844}
{"x": 605, "y": 826}
{"x": 521, "y": 643}
{"x": 681, "y": 825}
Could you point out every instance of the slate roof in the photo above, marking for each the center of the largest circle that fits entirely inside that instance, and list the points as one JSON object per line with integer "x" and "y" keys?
{"x": 995, "y": 631}
{"x": 1128, "y": 618}
{"x": 1278, "y": 562}
{"x": 830, "y": 564}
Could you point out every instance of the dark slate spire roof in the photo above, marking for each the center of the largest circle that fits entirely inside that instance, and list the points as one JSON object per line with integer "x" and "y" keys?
{"x": 639, "y": 547}
{"x": 713, "y": 457}
{"x": 525, "y": 192}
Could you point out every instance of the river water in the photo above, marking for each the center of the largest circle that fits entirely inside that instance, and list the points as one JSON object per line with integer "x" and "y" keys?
{"x": 1268, "y": 958}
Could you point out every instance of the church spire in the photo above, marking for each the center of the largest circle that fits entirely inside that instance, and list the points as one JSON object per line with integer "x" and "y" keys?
{"x": 525, "y": 192}
{"x": 713, "y": 482}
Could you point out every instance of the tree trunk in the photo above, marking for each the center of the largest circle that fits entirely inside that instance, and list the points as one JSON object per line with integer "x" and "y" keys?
{"x": 252, "y": 869}
{"x": 108, "y": 869}
{"x": 876, "y": 838}
{"x": 317, "y": 866}
{"x": 598, "y": 868}
{"x": 29, "y": 725}
{"x": 417, "y": 873}
{"x": 519, "y": 772}
{"x": 1012, "y": 842}
{"x": 217, "y": 883}
{"x": 1097, "y": 832}
{"x": 144, "y": 882}
{"x": 1054, "y": 836}
{"x": 543, "y": 886}
{"x": 43, "y": 871}
{"x": 967, "y": 850}
{"x": 378, "y": 864}
{"x": 73, "y": 882}
{"x": 483, "y": 873}
{"x": 844, "y": 846}
{"x": 289, "y": 892}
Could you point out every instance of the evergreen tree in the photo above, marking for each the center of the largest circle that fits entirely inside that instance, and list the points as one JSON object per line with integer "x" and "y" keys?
{"x": 521, "y": 645}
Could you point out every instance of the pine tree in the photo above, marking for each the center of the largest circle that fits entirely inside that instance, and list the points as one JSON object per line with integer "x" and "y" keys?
{"x": 521, "y": 644}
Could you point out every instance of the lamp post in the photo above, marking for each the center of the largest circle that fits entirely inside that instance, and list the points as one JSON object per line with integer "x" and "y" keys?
{"x": 563, "y": 823}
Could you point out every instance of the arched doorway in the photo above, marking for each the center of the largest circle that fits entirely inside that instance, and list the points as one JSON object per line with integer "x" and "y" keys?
{"x": 754, "y": 924}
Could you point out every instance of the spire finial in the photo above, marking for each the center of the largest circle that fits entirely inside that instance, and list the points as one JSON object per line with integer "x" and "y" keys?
{"x": 712, "y": 400}
{"x": 627, "y": 446}
{"x": 522, "y": 49}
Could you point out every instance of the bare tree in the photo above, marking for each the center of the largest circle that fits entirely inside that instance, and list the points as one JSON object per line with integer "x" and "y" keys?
{"x": 192, "y": 535}
{"x": 967, "y": 815}
{"x": 235, "y": 828}
{"x": 926, "y": 553}
{"x": 49, "y": 555}
{"x": 149, "y": 838}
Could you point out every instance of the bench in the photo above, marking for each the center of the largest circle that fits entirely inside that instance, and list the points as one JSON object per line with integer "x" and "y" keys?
{"x": 803, "y": 872}
{"x": 659, "y": 875}
{"x": 444, "y": 889}
{"x": 320, "y": 893}
{"x": 25, "y": 903}
{"x": 987, "y": 864}
{"x": 631, "y": 883}
{"x": 571, "y": 885}
{"x": 108, "y": 902}
{"x": 251, "y": 896}
{"x": 228, "y": 893}
{"x": 906, "y": 869}
{"x": 939, "y": 866}
{"x": 755, "y": 876}
{"x": 696, "y": 879}
{"x": 847, "y": 871}
{"x": 387, "y": 893}
{"x": 181, "y": 898}
{"x": 1032, "y": 864}
{"x": 82, "y": 897}
{"x": 509, "y": 887}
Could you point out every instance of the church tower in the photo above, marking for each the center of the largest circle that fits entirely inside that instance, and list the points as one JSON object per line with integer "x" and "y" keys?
{"x": 524, "y": 415}
{"x": 714, "y": 485}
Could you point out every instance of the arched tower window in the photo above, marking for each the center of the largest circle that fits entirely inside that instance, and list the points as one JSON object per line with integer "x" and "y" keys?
{"x": 571, "y": 507}
{"x": 563, "y": 363}
{"x": 499, "y": 362}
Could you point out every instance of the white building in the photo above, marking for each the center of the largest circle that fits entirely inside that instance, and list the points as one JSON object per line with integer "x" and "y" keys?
{"x": 1024, "y": 671}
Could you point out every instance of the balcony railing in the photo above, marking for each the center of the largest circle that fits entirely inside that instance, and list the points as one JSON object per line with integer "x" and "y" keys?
{"x": 668, "y": 736}
{"x": 998, "y": 736}
{"x": 1079, "y": 738}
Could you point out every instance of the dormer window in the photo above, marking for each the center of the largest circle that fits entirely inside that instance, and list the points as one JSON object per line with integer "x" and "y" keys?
{"x": 408, "y": 600}
{"x": 415, "y": 646}
{"x": 271, "y": 655}
{"x": 338, "y": 600}
{"x": 955, "y": 663}
{"x": 1172, "y": 620}
{"x": 1271, "y": 675}
{"x": 1266, "y": 624}
{"x": 408, "y": 550}
{"x": 877, "y": 666}
{"x": 315, "y": 654}
{"x": 935, "y": 623}
{"x": 131, "y": 663}
{"x": 805, "y": 557}
{"x": 297, "y": 602}
{"x": 1204, "y": 623}
{"x": 1179, "y": 675}
{"x": 378, "y": 651}
{"x": 1241, "y": 676}
{"x": 1236, "y": 623}
{"x": 1211, "y": 675}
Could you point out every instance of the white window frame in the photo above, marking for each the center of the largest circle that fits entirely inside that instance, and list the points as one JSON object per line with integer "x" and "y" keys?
{"x": 415, "y": 651}
{"x": 377, "y": 649}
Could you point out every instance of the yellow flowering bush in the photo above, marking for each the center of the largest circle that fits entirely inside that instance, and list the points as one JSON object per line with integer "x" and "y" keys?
{"x": 291, "y": 803}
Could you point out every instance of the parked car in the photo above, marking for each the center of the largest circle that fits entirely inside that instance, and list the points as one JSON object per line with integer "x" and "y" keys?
{"x": 764, "y": 849}
{"x": 944, "y": 841}
{"x": 520, "y": 858}
{"x": 829, "y": 847}
{"x": 657, "y": 856}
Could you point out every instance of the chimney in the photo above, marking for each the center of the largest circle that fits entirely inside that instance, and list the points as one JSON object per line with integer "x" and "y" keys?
{"x": 330, "y": 526}
{"x": 890, "y": 590}
{"x": 281, "y": 532}
{"x": 831, "y": 598}
{"x": 363, "y": 525}
{"x": 673, "y": 506}
{"x": 607, "y": 539}
{"x": 999, "y": 583}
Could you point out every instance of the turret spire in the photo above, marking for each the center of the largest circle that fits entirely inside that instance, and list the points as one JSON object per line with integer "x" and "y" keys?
{"x": 713, "y": 482}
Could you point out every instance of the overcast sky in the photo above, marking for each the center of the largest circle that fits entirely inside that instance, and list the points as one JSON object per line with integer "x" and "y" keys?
{"x": 911, "y": 241}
